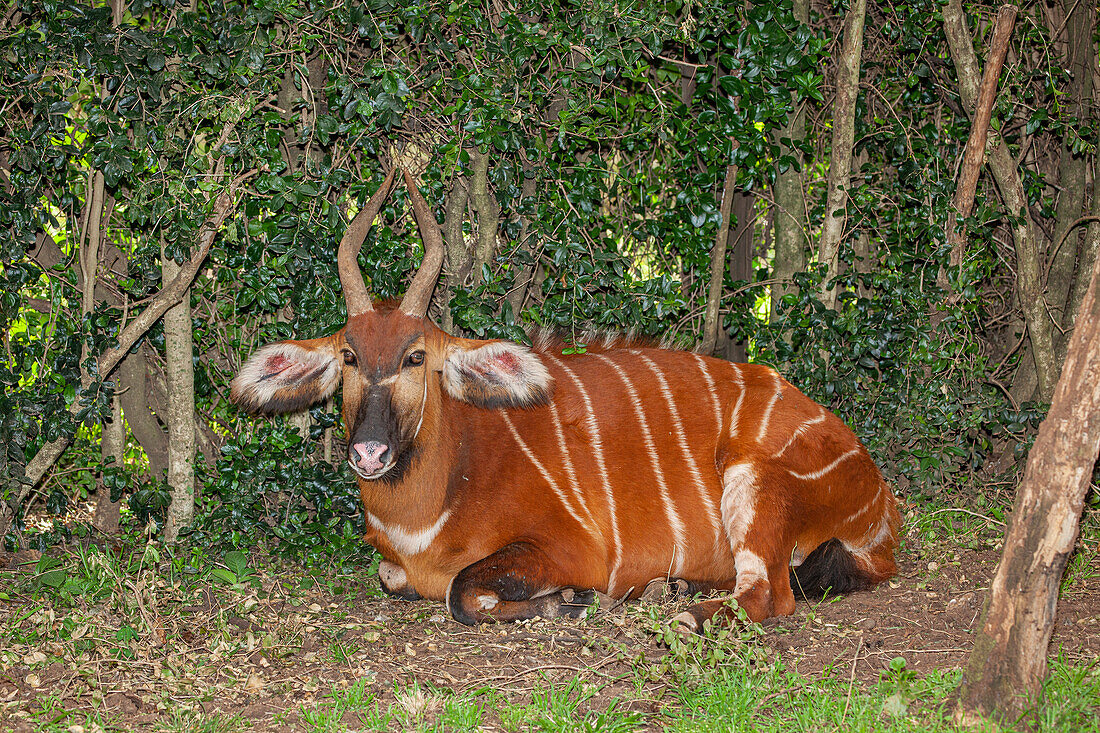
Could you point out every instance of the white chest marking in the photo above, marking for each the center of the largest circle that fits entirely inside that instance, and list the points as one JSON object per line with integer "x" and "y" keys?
{"x": 410, "y": 542}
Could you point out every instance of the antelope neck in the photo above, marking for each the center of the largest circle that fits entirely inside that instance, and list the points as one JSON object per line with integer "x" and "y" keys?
{"x": 419, "y": 499}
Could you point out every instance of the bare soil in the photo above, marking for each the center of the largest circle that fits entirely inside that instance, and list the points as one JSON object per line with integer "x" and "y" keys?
{"x": 266, "y": 653}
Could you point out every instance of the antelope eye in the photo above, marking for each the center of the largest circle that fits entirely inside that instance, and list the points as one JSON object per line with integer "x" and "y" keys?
{"x": 416, "y": 358}
{"x": 349, "y": 358}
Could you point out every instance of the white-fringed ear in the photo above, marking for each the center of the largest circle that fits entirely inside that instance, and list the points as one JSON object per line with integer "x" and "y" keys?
{"x": 496, "y": 374}
{"x": 287, "y": 376}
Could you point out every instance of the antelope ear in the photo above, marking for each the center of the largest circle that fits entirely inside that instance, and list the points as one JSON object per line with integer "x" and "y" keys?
{"x": 287, "y": 376}
{"x": 496, "y": 374}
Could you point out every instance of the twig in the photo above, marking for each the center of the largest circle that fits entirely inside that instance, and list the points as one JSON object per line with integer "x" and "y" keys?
{"x": 965, "y": 511}
{"x": 851, "y": 680}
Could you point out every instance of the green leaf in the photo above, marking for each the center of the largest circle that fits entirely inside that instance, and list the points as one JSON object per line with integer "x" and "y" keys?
{"x": 224, "y": 575}
{"x": 1038, "y": 117}
{"x": 53, "y": 578}
{"x": 237, "y": 562}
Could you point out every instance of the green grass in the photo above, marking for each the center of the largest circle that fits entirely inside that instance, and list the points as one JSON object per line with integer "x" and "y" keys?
{"x": 366, "y": 713}
{"x": 197, "y": 722}
{"x": 89, "y": 599}
{"x": 562, "y": 708}
{"x": 773, "y": 698}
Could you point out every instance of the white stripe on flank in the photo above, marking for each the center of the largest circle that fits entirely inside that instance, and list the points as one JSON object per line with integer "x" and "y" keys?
{"x": 601, "y": 465}
{"x": 545, "y": 474}
{"x": 802, "y": 429}
{"x": 877, "y": 538}
{"x": 738, "y": 502}
{"x": 814, "y": 475}
{"x": 735, "y": 418}
{"x": 711, "y": 391}
{"x": 868, "y": 506}
{"x": 569, "y": 469}
{"x": 768, "y": 410}
{"x": 681, "y": 438}
{"x": 674, "y": 521}
{"x": 408, "y": 542}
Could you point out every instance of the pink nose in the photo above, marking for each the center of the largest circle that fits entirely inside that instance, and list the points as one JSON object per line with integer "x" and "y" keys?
{"x": 369, "y": 455}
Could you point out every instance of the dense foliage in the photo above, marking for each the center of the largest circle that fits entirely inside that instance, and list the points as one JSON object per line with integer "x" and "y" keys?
{"x": 603, "y": 133}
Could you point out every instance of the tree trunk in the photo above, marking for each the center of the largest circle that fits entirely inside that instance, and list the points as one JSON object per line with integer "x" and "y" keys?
{"x": 488, "y": 214}
{"x": 1090, "y": 246}
{"x": 741, "y": 245}
{"x": 298, "y": 152}
{"x": 180, "y": 416}
{"x": 112, "y": 445}
{"x": 864, "y": 252}
{"x": 89, "y": 252}
{"x": 1025, "y": 234}
{"x": 206, "y": 440}
{"x": 1009, "y": 660}
{"x": 524, "y": 276}
{"x": 112, "y": 440}
{"x": 1072, "y": 172}
{"x": 979, "y": 128}
{"x": 147, "y": 430}
{"x": 718, "y": 266}
{"x": 843, "y": 140}
{"x": 790, "y": 224}
{"x": 459, "y": 258}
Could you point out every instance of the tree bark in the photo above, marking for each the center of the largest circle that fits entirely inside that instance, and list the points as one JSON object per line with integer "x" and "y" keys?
{"x": 112, "y": 439}
{"x": 1008, "y": 664}
{"x": 790, "y": 223}
{"x": 718, "y": 265}
{"x": 89, "y": 252}
{"x": 1072, "y": 173}
{"x": 488, "y": 214}
{"x": 180, "y": 416}
{"x": 524, "y": 276}
{"x": 298, "y": 152}
{"x": 206, "y": 440}
{"x": 109, "y": 359}
{"x": 112, "y": 445}
{"x": 459, "y": 258}
{"x": 843, "y": 140}
{"x": 741, "y": 246}
{"x": 1025, "y": 234}
{"x": 864, "y": 254}
{"x": 979, "y": 128}
{"x": 1090, "y": 246}
{"x": 147, "y": 430}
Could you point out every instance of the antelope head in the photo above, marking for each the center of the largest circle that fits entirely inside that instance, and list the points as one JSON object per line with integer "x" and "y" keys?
{"x": 396, "y": 366}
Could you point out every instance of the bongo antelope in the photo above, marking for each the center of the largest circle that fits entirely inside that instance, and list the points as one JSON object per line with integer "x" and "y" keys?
{"x": 511, "y": 481}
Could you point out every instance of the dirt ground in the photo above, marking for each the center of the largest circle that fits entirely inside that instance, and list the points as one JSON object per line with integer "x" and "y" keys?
{"x": 260, "y": 652}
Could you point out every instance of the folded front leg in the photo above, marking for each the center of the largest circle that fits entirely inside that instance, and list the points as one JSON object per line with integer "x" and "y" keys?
{"x": 514, "y": 583}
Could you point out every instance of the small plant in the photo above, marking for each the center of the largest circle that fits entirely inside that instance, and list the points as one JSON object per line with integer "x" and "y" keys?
{"x": 236, "y": 571}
